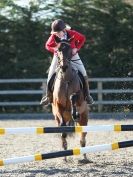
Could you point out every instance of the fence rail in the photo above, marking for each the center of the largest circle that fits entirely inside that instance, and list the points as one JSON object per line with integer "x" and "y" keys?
{"x": 26, "y": 92}
{"x": 111, "y": 79}
{"x": 99, "y": 90}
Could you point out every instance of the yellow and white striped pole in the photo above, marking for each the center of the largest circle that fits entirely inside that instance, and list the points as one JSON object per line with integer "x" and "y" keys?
{"x": 76, "y": 129}
{"x": 75, "y": 151}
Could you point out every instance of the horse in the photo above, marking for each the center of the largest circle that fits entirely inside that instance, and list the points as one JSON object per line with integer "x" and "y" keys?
{"x": 68, "y": 95}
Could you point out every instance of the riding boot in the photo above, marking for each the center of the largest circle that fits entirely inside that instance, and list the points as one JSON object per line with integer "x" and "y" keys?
{"x": 89, "y": 98}
{"x": 48, "y": 98}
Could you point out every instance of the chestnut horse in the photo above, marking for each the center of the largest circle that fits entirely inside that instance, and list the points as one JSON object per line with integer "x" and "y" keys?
{"x": 68, "y": 96}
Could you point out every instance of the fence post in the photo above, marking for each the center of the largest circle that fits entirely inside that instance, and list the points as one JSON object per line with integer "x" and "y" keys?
{"x": 100, "y": 95}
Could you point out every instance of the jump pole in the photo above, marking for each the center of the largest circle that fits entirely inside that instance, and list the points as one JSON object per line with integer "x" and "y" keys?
{"x": 76, "y": 129}
{"x": 75, "y": 151}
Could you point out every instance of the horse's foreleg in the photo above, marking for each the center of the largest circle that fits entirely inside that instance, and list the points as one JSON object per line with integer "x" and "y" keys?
{"x": 63, "y": 138}
{"x": 60, "y": 122}
{"x": 83, "y": 140}
{"x": 64, "y": 142}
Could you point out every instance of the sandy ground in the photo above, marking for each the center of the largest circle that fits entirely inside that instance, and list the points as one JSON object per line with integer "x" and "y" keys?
{"x": 103, "y": 164}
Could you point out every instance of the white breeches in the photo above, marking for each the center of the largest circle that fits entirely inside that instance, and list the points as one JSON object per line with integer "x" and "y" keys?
{"x": 77, "y": 65}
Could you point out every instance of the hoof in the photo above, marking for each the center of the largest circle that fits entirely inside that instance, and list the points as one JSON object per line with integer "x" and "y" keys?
{"x": 65, "y": 159}
{"x": 85, "y": 160}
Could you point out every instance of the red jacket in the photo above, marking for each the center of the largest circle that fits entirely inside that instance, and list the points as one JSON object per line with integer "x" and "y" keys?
{"x": 77, "y": 42}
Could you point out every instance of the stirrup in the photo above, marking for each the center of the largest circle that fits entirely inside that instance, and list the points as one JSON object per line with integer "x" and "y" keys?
{"x": 44, "y": 101}
{"x": 89, "y": 99}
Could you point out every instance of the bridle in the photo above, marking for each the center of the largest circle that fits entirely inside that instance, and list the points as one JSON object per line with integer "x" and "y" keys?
{"x": 67, "y": 59}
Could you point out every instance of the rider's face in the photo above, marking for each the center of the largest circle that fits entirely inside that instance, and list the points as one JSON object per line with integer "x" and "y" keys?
{"x": 60, "y": 34}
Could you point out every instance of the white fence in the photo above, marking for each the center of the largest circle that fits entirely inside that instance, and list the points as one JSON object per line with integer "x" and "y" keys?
{"x": 98, "y": 91}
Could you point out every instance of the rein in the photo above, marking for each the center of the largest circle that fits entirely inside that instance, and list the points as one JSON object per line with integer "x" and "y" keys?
{"x": 74, "y": 61}
{"x": 69, "y": 60}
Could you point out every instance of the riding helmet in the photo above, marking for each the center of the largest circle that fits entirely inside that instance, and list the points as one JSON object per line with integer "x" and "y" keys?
{"x": 57, "y": 26}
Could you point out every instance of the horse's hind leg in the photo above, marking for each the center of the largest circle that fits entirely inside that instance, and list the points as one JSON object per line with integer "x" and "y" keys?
{"x": 74, "y": 98}
{"x": 83, "y": 122}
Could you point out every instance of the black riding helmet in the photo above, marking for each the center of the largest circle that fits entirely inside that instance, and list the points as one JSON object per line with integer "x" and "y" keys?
{"x": 57, "y": 26}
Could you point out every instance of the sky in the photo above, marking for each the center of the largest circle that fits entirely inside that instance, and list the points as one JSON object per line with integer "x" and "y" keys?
{"x": 24, "y": 2}
{"x": 42, "y": 14}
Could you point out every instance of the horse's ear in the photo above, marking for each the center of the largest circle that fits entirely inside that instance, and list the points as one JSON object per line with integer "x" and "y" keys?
{"x": 57, "y": 39}
{"x": 71, "y": 39}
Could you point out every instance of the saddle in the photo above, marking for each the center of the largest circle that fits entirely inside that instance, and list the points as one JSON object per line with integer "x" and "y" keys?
{"x": 52, "y": 81}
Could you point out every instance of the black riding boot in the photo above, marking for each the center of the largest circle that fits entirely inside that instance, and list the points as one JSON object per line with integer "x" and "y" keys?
{"x": 48, "y": 98}
{"x": 89, "y": 98}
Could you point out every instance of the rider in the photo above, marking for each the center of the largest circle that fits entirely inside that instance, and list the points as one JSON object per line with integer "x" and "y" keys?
{"x": 60, "y": 32}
